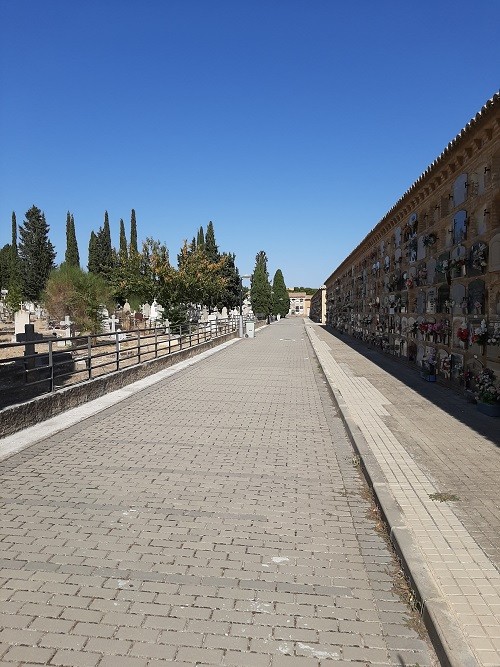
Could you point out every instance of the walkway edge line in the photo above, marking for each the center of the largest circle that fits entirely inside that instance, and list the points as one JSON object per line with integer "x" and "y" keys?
{"x": 444, "y": 631}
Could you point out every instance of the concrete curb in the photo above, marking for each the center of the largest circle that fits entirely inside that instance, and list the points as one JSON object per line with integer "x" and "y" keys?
{"x": 444, "y": 631}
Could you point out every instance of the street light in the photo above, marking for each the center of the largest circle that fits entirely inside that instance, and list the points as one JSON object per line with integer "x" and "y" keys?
{"x": 241, "y": 305}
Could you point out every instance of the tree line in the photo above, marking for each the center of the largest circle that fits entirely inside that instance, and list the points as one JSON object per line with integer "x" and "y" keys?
{"x": 202, "y": 275}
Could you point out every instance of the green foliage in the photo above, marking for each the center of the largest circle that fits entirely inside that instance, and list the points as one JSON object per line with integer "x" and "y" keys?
{"x": 36, "y": 254}
{"x": 307, "y": 290}
{"x": 14, "y": 258}
{"x": 133, "y": 233}
{"x": 72, "y": 256}
{"x": 200, "y": 239}
{"x": 101, "y": 254}
{"x": 260, "y": 290}
{"x": 280, "y": 300}
{"x": 211, "y": 249}
{"x": 123, "y": 254}
{"x": 5, "y": 265}
{"x": 14, "y": 297}
{"x": 74, "y": 292}
{"x": 230, "y": 296}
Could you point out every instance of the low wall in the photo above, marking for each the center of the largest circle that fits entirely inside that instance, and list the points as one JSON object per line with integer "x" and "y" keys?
{"x": 17, "y": 417}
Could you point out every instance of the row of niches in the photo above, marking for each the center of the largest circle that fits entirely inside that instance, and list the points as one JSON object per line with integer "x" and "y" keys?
{"x": 414, "y": 247}
{"x": 445, "y": 345}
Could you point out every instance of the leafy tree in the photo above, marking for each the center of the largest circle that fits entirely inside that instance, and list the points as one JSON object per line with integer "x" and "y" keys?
{"x": 36, "y": 253}
{"x": 74, "y": 292}
{"x": 281, "y": 300}
{"x": 211, "y": 249}
{"x": 123, "y": 255}
{"x": 14, "y": 297}
{"x": 133, "y": 233}
{"x": 260, "y": 290}
{"x": 198, "y": 280}
{"x": 72, "y": 256}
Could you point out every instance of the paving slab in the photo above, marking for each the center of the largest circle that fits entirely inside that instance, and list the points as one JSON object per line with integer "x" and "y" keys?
{"x": 216, "y": 516}
{"x": 439, "y": 460}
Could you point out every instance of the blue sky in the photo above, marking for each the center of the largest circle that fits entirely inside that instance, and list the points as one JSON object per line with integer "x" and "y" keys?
{"x": 293, "y": 126}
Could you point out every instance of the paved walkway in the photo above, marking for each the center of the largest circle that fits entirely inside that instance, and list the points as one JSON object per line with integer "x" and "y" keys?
{"x": 202, "y": 520}
{"x": 440, "y": 460}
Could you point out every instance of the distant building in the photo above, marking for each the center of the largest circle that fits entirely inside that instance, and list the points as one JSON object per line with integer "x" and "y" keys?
{"x": 300, "y": 303}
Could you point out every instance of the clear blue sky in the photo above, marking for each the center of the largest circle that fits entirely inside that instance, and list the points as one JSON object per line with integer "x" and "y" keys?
{"x": 293, "y": 126}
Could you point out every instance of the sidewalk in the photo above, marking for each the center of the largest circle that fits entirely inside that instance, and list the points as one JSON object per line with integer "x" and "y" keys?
{"x": 438, "y": 458}
{"x": 201, "y": 520}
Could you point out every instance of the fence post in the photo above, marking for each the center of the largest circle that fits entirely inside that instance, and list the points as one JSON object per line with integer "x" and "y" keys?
{"x": 117, "y": 345}
{"x": 89, "y": 356}
{"x": 156, "y": 342}
{"x": 51, "y": 366}
{"x": 138, "y": 346}
{"x": 180, "y": 336}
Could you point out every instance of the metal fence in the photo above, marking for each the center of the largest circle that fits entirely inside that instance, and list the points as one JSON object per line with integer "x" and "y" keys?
{"x": 47, "y": 364}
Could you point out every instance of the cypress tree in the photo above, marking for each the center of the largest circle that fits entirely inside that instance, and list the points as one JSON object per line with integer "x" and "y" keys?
{"x": 200, "y": 240}
{"x": 14, "y": 255}
{"x": 123, "y": 242}
{"x": 93, "y": 264}
{"x": 36, "y": 253}
{"x": 133, "y": 234}
{"x": 260, "y": 290}
{"x": 211, "y": 249}
{"x": 281, "y": 300}
{"x": 72, "y": 256}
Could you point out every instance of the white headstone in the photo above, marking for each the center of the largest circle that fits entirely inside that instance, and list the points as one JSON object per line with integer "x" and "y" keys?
{"x": 146, "y": 310}
{"x": 126, "y": 308}
{"x": 21, "y": 317}
{"x": 224, "y": 313}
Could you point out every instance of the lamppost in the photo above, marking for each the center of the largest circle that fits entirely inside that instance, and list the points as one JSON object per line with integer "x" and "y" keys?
{"x": 241, "y": 305}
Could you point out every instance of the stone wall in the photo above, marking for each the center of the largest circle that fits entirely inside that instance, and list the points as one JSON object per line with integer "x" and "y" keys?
{"x": 424, "y": 285}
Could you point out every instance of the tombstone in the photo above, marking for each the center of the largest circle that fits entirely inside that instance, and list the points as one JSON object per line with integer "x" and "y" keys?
{"x": 494, "y": 298}
{"x": 457, "y": 297}
{"x": 21, "y": 319}
{"x": 126, "y": 308}
{"x": 146, "y": 310}
{"x": 397, "y": 237}
{"x": 432, "y": 300}
{"x": 458, "y": 255}
{"x": 420, "y": 354}
{"x": 459, "y": 227}
{"x": 204, "y": 314}
{"x": 457, "y": 365}
{"x": 431, "y": 271}
{"x": 212, "y": 322}
{"x": 421, "y": 248}
{"x": 421, "y": 302}
{"x": 444, "y": 364}
{"x": 224, "y": 313}
{"x": 458, "y": 323}
{"x": 167, "y": 326}
{"x": 153, "y": 311}
{"x": 494, "y": 254}
{"x": 29, "y": 337}
{"x": 476, "y": 297}
{"x": 112, "y": 321}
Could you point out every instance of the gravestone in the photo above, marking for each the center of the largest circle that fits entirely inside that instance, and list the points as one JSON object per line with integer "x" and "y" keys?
{"x": 146, "y": 310}
{"x": 431, "y": 271}
{"x": 167, "y": 326}
{"x": 494, "y": 254}
{"x": 457, "y": 295}
{"x": 431, "y": 300}
{"x": 21, "y": 319}
{"x": 204, "y": 314}
{"x": 126, "y": 308}
{"x": 421, "y": 302}
{"x": 29, "y": 337}
{"x": 420, "y": 354}
{"x": 421, "y": 249}
{"x": 224, "y": 313}
{"x": 476, "y": 297}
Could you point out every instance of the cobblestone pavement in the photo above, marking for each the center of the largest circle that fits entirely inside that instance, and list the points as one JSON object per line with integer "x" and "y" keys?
{"x": 441, "y": 460}
{"x": 203, "y": 521}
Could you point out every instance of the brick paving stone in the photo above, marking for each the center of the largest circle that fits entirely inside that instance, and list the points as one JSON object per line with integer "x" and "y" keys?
{"x": 213, "y": 518}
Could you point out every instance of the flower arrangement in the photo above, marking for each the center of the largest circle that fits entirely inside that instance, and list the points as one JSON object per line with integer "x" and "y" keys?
{"x": 409, "y": 283}
{"x": 480, "y": 257}
{"x": 480, "y": 335}
{"x": 463, "y": 334}
{"x": 487, "y": 391}
{"x": 429, "y": 239}
{"x": 456, "y": 263}
{"x": 443, "y": 266}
